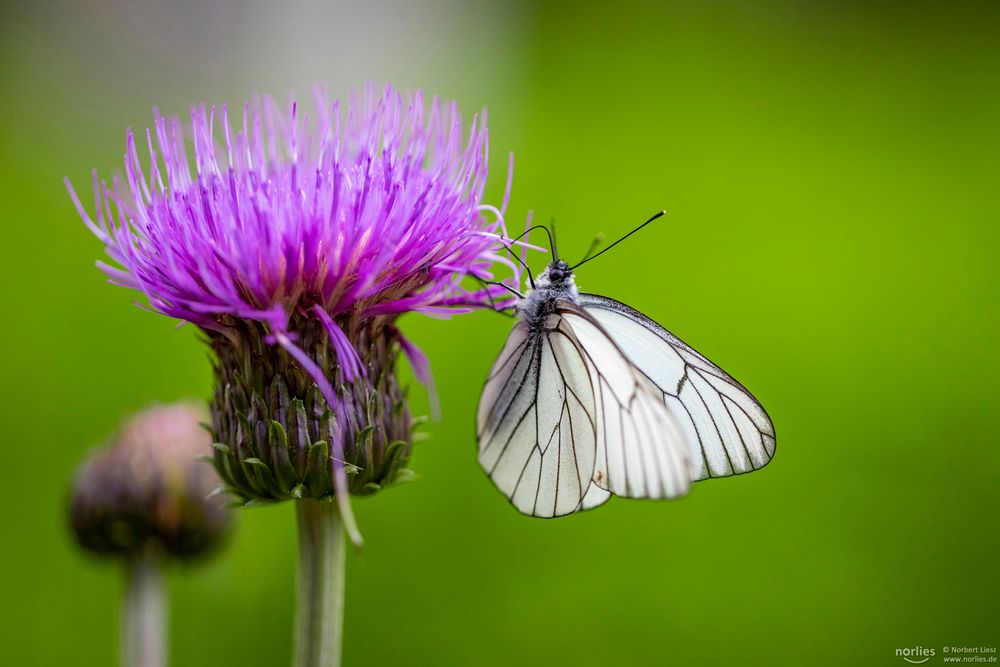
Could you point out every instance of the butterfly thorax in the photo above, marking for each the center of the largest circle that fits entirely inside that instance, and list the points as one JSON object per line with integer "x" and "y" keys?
{"x": 554, "y": 284}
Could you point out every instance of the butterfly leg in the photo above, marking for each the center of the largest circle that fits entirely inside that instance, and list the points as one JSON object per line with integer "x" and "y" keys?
{"x": 493, "y": 304}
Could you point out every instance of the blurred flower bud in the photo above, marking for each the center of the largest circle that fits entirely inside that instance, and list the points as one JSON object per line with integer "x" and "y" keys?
{"x": 149, "y": 488}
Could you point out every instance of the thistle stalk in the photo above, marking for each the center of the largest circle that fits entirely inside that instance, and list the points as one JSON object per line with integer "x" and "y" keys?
{"x": 319, "y": 610}
{"x": 144, "y": 617}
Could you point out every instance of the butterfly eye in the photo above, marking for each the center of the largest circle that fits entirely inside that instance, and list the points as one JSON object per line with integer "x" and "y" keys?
{"x": 555, "y": 275}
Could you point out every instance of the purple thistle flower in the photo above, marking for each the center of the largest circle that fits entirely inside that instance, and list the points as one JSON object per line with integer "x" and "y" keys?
{"x": 294, "y": 246}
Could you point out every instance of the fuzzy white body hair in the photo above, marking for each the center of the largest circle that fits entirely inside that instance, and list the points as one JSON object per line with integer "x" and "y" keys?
{"x": 540, "y": 301}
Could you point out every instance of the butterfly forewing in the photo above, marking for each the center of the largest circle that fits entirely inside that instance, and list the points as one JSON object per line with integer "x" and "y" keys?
{"x": 641, "y": 449}
{"x": 726, "y": 428}
{"x": 535, "y": 424}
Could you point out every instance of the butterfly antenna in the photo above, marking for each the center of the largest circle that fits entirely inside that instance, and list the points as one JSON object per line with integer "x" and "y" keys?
{"x": 553, "y": 239}
{"x": 584, "y": 261}
{"x": 527, "y": 231}
{"x": 598, "y": 240}
{"x": 520, "y": 236}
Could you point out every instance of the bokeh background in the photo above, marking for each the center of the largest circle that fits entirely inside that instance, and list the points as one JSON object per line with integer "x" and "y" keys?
{"x": 830, "y": 171}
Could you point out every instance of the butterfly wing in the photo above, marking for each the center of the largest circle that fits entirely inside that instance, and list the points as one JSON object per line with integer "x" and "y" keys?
{"x": 641, "y": 449}
{"x": 595, "y": 497}
{"x": 727, "y": 429}
{"x": 535, "y": 422}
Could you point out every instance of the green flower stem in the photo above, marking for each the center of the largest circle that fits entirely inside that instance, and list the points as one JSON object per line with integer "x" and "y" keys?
{"x": 320, "y": 609}
{"x": 144, "y": 616}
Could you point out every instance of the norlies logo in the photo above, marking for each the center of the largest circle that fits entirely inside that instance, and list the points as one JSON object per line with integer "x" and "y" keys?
{"x": 916, "y": 655}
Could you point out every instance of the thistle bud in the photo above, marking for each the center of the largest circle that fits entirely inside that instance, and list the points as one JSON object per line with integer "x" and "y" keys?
{"x": 277, "y": 432}
{"x": 147, "y": 488}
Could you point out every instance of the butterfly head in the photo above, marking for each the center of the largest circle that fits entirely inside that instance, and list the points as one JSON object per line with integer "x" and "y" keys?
{"x": 557, "y": 274}
{"x": 553, "y": 284}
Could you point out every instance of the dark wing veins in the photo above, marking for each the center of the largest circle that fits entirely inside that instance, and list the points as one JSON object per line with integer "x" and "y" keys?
{"x": 688, "y": 393}
{"x": 524, "y": 365}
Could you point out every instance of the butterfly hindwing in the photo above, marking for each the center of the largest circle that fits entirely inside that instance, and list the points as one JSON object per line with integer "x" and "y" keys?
{"x": 727, "y": 429}
{"x": 595, "y": 497}
{"x": 535, "y": 422}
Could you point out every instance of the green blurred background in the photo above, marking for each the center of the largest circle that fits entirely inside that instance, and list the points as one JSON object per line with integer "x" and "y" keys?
{"x": 830, "y": 172}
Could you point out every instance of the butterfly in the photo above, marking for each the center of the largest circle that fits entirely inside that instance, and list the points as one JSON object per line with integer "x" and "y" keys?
{"x": 590, "y": 398}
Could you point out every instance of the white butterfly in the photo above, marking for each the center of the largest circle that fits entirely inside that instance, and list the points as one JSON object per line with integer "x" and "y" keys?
{"x": 590, "y": 398}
